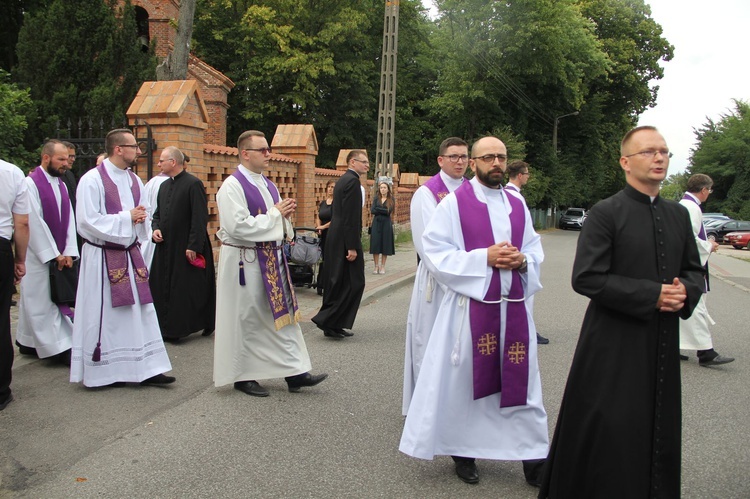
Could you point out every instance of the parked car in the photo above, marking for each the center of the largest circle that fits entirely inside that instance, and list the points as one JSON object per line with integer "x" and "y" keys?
{"x": 717, "y": 232}
{"x": 738, "y": 239}
{"x": 572, "y": 218}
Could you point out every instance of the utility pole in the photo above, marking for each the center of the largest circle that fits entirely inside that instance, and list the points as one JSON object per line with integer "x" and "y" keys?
{"x": 387, "y": 103}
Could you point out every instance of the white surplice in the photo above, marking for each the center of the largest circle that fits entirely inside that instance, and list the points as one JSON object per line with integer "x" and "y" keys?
{"x": 41, "y": 325}
{"x": 248, "y": 346}
{"x": 426, "y": 294}
{"x": 151, "y": 192}
{"x": 694, "y": 331}
{"x": 132, "y": 348}
{"x": 444, "y": 418}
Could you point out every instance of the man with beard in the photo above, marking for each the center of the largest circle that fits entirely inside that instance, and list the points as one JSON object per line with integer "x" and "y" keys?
{"x": 479, "y": 393}
{"x": 182, "y": 273}
{"x": 45, "y": 329}
{"x": 345, "y": 268}
{"x": 618, "y": 431}
{"x": 116, "y": 336}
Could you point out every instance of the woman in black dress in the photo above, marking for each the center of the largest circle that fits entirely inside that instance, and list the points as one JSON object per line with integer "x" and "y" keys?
{"x": 325, "y": 211}
{"x": 381, "y": 236}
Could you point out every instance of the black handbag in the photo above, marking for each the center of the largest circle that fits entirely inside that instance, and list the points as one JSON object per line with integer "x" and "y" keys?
{"x": 63, "y": 283}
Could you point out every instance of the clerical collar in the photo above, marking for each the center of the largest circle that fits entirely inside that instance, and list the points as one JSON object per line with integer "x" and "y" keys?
{"x": 698, "y": 201}
{"x": 450, "y": 182}
{"x": 637, "y": 195}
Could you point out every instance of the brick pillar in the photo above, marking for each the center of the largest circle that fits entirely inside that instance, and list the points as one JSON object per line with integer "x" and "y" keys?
{"x": 299, "y": 142}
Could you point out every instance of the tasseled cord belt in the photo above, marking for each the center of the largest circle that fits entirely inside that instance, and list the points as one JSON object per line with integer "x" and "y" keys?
{"x": 254, "y": 255}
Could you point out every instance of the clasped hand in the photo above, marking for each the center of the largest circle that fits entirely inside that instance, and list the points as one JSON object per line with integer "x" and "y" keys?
{"x": 286, "y": 206}
{"x": 504, "y": 256}
{"x": 138, "y": 214}
{"x": 672, "y": 297}
{"x": 64, "y": 261}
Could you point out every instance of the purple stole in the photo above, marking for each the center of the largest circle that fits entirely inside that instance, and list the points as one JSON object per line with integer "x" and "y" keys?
{"x": 505, "y": 371}
{"x": 116, "y": 256}
{"x": 512, "y": 187}
{"x": 702, "y": 237}
{"x": 56, "y": 219}
{"x": 437, "y": 187}
{"x": 267, "y": 256}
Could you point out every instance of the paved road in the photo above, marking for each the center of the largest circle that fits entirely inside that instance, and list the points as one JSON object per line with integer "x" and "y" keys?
{"x": 339, "y": 439}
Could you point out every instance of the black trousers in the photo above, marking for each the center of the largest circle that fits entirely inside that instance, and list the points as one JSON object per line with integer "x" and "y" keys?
{"x": 6, "y": 294}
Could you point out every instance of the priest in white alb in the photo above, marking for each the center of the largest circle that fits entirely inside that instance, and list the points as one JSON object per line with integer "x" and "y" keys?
{"x": 427, "y": 293}
{"x": 46, "y": 328}
{"x": 257, "y": 319}
{"x": 479, "y": 393}
{"x": 116, "y": 336}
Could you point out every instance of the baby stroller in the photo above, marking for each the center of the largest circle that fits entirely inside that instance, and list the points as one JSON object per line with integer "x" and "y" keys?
{"x": 303, "y": 254}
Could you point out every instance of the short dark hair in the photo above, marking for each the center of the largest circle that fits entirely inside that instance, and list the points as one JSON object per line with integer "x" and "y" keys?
{"x": 248, "y": 136}
{"x": 49, "y": 146}
{"x": 353, "y": 153}
{"x": 114, "y": 139}
{"x": 516, "y": 167}
{"x": 451, "y": 141}
{"x": 698, "y": 182}
{"x": 630, "y": 134}
{"x": 68, "y": 145}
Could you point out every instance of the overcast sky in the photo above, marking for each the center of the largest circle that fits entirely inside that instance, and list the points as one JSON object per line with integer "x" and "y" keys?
{"x": 711, "y": 66}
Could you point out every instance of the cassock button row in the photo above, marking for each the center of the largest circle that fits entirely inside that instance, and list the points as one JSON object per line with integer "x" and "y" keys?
{"x": 664, "y": 267}
{"x": 659, "y": 231}
{"x": 662, "y": 255}
{"x": 658, "y": 218}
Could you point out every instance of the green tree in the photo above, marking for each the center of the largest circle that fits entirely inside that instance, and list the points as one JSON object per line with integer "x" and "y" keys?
{"x": 92, "y": 70}
{"x": 674, "y": 186}
{"x": 723, "y": 153}
{"x": 317, "y": 62}
{"x": 15, "y": 107}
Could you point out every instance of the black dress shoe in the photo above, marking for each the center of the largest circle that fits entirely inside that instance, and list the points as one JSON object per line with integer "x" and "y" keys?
{"x": 716, "y": 361}
{"x": 171, "y": 339}
{"x": 7, "y": 401}
{"x": 116, "y": 384}
{"x": 251, "y": 388}
{"x": 306, "y": 379}
{"x": 344, "y": 332}
{"x": 207, "y": 332}
{"x": 24, "y": 350}
{"x": 63, "y": 358}
{"x": 331, "y": 333}
{"x": 466, "y": 469}
{"x": 684, "y": 357}
{"x": 541, "y": 340}
{"x": 159, "y": 379}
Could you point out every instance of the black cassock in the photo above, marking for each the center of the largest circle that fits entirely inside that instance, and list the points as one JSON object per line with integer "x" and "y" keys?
{"x": 344, "y": 281}
{"x": 184, "y": 295}
{"x": 618, "y": 433}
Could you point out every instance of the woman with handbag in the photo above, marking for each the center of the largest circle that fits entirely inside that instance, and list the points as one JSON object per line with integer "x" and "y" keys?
{"x": 381, "y": 236}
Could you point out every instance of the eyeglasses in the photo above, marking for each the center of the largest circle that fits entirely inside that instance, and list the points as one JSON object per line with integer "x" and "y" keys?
{"x": 128, "y": 145}
{"x": 490, "y": 158}
{"x": 710, "y": 191}
{"x": 168, "y": 159}
{"x": 363, "y": 161}
{"x": 650, "y": 153}
{"x": 262, "y": 150}
{"x": 457, "y": 158}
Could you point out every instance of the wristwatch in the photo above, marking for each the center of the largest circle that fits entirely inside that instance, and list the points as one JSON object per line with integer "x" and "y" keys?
{"x": 524, "y": 266}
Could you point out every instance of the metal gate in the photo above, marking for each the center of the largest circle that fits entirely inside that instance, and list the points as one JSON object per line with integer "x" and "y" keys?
{"x": 88, "y": 136}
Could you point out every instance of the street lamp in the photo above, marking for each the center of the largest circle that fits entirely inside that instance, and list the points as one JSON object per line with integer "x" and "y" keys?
{"x": 554, "y": 130}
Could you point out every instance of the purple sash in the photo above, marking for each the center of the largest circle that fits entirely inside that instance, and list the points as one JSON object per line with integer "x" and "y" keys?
{"x": 267, "y": 255}
{"x": 116, "y": 256}
{"x": 512, "y": 187}
{"x": 57, "y": 219}
{"x": 495, "y": 372}
{"x": 437, "y": 187}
